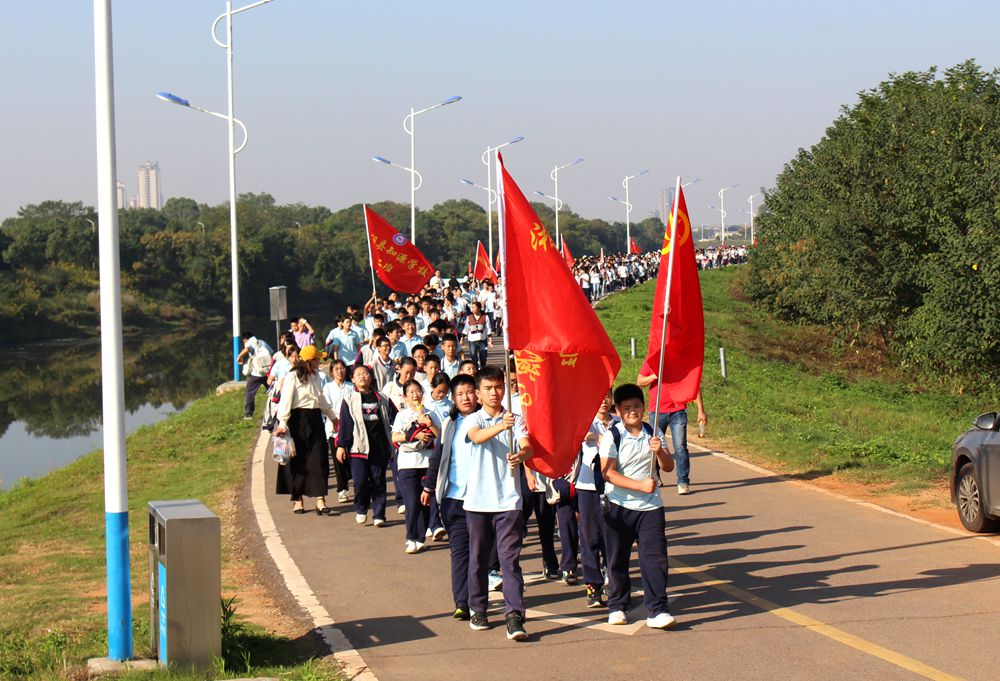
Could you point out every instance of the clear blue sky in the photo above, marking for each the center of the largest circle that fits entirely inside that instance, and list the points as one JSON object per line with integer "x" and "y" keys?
{"x": 723, "y": 91}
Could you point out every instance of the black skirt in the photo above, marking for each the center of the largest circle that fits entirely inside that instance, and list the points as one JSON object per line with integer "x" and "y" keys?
{"x": 306, "y": 474}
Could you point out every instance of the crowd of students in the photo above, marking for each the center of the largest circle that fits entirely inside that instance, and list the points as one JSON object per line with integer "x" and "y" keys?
{"x": 720, "y": 256}
{"x": 599, "y": 276}
{"x": 402, "y": 393}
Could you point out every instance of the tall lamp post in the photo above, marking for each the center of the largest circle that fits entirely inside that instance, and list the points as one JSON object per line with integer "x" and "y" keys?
{"x": 628, "y": 208}
{"x": 491, "y": 197}
{"x": 180, "y": 101}
{"x": 559, "y": 204}
{"x": 489, "y": 183}
{"x": 414, "y": 186}
{"x": 722, "y": 209}
{"x": 753, "y": 238}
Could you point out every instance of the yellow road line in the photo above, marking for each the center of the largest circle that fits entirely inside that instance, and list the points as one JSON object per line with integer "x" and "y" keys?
{"x": 807, "y": 622}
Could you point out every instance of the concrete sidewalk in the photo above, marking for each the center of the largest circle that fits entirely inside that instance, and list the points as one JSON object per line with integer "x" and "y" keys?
{"x": 769, "y": 579}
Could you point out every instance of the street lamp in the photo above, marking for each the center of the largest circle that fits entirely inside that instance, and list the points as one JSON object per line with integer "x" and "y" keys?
{"x": 558, "y": 205}
{"x": 753, "y": 239}
{"x": 555, "y": 178}
{"x": 234, "y": 255}
{"x": 413, "y": 173}
{"x": 489, "y": 183}
{"x": 491, "y": 197}
{"x": 628, "y": 208}
{"x": 722, "y": 209}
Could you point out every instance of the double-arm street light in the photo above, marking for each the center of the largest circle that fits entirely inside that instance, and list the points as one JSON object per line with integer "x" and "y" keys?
{"x": 559, "y": 204}
{"x": 628, "y": 208}
{"x": 415, "y": 179}
{"x": 722, "y": 209}
{"x": 753, "y": 238}
{"x": 487, "y": 161}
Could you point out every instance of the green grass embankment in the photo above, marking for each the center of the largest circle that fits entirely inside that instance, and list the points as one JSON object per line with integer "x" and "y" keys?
{"x": 793, "y": 402}
{"x": 52, "y": 564}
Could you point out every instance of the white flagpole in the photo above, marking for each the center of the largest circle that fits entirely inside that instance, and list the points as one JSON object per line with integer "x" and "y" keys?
{"x": 502, "y": 233}
{"x": 371, "y": 261}
{"x": 666, "y": 308}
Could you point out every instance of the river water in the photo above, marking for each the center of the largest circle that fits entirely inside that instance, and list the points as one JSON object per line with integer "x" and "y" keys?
{"x": 50, "y": 404}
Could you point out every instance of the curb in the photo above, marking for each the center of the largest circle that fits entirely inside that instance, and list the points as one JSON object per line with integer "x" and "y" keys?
{"x": 350, "y": 660}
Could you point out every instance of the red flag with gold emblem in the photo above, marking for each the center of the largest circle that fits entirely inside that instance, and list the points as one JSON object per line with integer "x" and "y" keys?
{"x": 484, "y": 271}
{"x": 394, "y": 258}
{"x": 684, "y": 343}
{"x": 564, "y": 359}
{"x": 633, "y": 247}
{"x": 567, "y": 256}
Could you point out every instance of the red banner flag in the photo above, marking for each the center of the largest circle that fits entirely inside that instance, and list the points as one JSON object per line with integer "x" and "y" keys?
{"x": 633, "y": 247}
{"x": 564, "y": 360}
{"x": 484, "y": 271}
{"x": 567, "y": 256}
{"x": 684, "y": 344}
{"x": 396, "y": 261}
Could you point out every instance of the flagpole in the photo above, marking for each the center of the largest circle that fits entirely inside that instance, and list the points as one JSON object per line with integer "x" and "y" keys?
{"x": 502, "y": 235}
{"x": 371, "y": 261}
{"x": 666, "y": 308}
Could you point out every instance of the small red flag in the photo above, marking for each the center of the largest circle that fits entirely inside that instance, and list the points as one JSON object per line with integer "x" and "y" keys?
{"x": 633, "y": 247}
{"x": 564, "y": 360}
{"x": 484, "y": 271}
{"x": 396, "y": 261}
{"x": 567, "y": 256}
{"x": 684, "y": 353}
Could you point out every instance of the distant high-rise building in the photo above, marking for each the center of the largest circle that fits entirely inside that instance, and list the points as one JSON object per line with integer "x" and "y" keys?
{"x": 149, "y": 185}
{"x": 121, "y": 195}
{"x": 133, "y": 202}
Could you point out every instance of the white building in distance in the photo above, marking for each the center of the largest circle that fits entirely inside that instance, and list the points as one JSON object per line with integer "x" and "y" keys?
{"x": 149, "y": 186}
{"x": 120, "y": 193}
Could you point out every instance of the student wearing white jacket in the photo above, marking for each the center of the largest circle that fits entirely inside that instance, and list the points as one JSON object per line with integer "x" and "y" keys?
{"x": 414, "y": 430}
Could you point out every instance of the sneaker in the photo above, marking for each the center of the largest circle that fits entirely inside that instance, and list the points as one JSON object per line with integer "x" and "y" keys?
{"x": 462, "y": 612}
{"x": 495, "y": 581}
{"x": 515, "y": 627}
{"x": 662, "y": 621}
{"x": 419, "y": 546}
{"x": 569, "y": 577}
{"x": 401, "y": 509}
{"x": 428, "y": 534}
{"x": 343, "y": 497}
{"x": 594, "y": 599}
{"x": 410, "y": 546}
{"x": 478, "y": 621}
{"x": 617, "y": 617}
{"x": 378, "y": 522}
{"x": 550, "y": 574}
{"x": 360, "y": 518}
{"x": 682, "y": 488}
{"x": 440, "y": 534}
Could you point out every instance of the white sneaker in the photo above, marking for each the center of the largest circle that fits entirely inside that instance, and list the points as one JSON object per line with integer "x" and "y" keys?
{"x": 662, "y": 621}
{"x": 617, "y": 617}
{"x": 378, "y": 522}
{"x": 360, "y": 518}
{"x": 440, "y": 534}
{"x": 410, "y": 546}
{"x": 682, "y": 488}
{"x": 428, "y": 534}
{"x": 401, "y": 509}
{"x": 343, "y": 497}
{"x": 419, "y": 545}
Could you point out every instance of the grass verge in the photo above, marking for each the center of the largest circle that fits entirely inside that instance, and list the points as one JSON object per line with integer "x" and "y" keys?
{"x": 796, "y": 402}
{"x": 52, "y": 586}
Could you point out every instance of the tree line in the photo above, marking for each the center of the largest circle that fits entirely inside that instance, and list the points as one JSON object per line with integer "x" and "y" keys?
{"x": 887, "y": 228}
{"x": 175, "y": 263}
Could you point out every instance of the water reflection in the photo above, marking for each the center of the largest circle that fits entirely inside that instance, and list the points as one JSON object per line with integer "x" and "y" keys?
{"x": 50, "y": 408}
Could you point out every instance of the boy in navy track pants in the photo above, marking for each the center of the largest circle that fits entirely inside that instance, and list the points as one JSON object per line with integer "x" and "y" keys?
{"x": 635, "y": 509}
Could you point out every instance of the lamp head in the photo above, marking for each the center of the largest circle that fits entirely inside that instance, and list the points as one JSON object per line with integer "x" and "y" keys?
{"x": 577, "y": 162}
{"x": 451, "y": 100}
{"x": 468, "y": 182}
{"x": 172, "y": 98}
{"x": 614, "y": 198}
{"x": 644, "y": 171}
{"x": 516, "y": 139}
{"x": 382, "y": 159}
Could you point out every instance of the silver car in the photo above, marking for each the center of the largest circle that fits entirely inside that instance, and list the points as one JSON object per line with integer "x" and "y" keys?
{"x": 975, "y": 475}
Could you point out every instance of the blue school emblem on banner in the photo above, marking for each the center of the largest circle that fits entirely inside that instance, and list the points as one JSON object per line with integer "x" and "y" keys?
{"x": 399, "y": 239}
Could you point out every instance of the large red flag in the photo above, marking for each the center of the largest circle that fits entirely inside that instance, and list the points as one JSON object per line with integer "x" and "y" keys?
{"x": 567, "y": 256}
{"x": 564, "y": 359}
{"x": 484, "y": 271}
{"x": 685, "y": 339}
{"x": 396, "y": 261}
{"x": 633, "y": 247}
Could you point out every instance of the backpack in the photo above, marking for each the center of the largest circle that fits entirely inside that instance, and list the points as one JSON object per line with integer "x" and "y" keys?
{"x": 616, "y": 435}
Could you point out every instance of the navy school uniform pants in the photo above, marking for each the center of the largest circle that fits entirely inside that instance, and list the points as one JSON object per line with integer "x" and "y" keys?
{"x": 591, "y": 536}
{"x": 408, "y": 483}
{"x": 453, "y": 514}
{"x": 623, "y": 528}
{"x": 569, "y": 535}
{"x": 545, "y": 517}
{"x": 342, "y": 470}
{"x": 369, "y": 486}
{"x": 395, "y": 482}
{"x": 505, "y": 529}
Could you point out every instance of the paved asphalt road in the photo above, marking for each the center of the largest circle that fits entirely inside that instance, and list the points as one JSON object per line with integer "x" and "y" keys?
{"x": 769, "y": 579}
